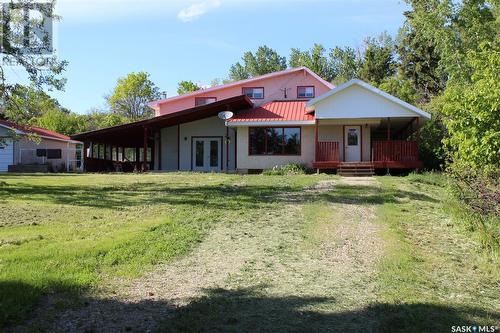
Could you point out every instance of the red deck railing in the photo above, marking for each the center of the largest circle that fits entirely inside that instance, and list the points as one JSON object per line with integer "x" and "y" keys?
{"x": 394, "y": 151}
{"x": 327, "y": 151}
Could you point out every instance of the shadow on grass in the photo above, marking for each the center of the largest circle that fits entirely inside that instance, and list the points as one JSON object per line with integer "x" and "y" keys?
{"x": 217, "y": 196}
{"x": 251, "y": 310}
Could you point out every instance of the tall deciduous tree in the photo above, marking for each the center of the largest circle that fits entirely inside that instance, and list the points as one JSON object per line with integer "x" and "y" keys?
{"x": 131, "y": 96}
{"x": 265, "y": 60}
{"x": 185, "y": 87}
{"x": 314, "y": 59}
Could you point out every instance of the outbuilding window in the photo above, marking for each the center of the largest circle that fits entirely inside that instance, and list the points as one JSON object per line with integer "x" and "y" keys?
{"x": 54, "y": 154}
{"x": 274, "y": 140}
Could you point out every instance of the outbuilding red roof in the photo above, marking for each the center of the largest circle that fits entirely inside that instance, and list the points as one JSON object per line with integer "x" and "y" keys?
{"x": 36, "y": 130}
{"x": 275, "y": 111}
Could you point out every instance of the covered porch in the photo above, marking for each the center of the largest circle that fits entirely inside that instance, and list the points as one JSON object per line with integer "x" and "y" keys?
{"x": 359, "y": 124}
{"x": 386, "y": 143}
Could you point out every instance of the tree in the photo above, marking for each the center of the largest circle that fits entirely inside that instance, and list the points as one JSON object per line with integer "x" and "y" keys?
{"x": 131, "y": 96}
{"x": 57, "y": 120}
{"x": 26, "y": 103}
{"x": 97, "y": 119}
{"x": 418, "y": 46}
{"x": 185, "y": 87}
{"x": 471, "y": 112}
{"x": 345, "y": 64}
{"x": 315, "y": 60}
{"x": 264, "y": 61}
{"x": 20, "y": 47}
{"x": 378, "y": 60}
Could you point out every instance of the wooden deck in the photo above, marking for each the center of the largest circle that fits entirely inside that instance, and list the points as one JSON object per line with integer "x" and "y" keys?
{"x": 392, "y": 154}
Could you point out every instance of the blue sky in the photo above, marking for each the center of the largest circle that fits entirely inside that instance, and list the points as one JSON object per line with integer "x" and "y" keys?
{"x": 198, "y": 40}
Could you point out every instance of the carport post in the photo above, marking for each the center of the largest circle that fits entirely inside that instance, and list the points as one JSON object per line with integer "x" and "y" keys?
{"x": 145, "y": 151}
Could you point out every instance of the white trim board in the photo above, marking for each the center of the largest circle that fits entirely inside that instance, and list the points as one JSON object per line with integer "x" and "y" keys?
{"x": 270, "y": 123}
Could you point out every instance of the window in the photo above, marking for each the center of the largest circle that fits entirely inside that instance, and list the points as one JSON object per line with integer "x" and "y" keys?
{"x": 41, "y": 152}
{"x": 54, "y": 153}
{"x": 254, "y": 92}
{"x": 274, "y": 141}
{"x": 305, "y": 92}
{"x": 198, "y": 101}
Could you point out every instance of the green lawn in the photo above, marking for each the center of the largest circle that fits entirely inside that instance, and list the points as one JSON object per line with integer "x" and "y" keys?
{"x": 74, "y": 235}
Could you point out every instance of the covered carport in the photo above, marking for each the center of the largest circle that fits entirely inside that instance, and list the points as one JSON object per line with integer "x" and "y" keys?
{"x": 135, "y": 146}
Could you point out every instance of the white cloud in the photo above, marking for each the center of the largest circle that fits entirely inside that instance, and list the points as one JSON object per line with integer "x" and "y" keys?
{"x": 196, "y": 10}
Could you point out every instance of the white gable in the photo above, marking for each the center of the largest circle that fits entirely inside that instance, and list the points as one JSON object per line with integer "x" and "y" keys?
{"x": 357, "y": 99}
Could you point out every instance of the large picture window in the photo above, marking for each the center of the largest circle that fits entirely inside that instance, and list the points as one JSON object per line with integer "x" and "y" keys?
{"x": 274, "y": 140}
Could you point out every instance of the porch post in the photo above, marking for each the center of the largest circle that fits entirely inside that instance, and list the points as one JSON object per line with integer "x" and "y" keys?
{"x": 145, "y": 151}
{"x": 316, "y": 142}
{"x": 418, "y": 138}
{"x": 388, "y": 153}
{"x": 86, "y": 146}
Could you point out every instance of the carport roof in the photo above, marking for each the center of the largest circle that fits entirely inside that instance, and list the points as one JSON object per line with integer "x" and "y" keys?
{"x": 132, "y": 134}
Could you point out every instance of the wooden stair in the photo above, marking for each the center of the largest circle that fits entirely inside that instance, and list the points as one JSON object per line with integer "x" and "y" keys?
{"x": 350, "y": 169}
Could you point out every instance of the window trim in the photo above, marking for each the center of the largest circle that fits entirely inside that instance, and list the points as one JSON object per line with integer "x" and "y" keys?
{"x": 203, "y": 97}
{"x": 283, "y": 143}
{"x": 263, "y": 92}
{"x": 306, "y": 97}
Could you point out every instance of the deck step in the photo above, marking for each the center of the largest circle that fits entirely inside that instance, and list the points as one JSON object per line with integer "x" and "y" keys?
{"x": 356, "y": 169}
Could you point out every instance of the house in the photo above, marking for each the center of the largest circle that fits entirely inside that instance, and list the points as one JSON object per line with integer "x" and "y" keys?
{"x": 291, "y": 116}
{"x": 34, "y": 149}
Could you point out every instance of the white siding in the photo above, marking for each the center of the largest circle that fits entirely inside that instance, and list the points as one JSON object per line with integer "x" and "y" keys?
{"x": 6, "y": 154}
{"x": 359, "y": 102}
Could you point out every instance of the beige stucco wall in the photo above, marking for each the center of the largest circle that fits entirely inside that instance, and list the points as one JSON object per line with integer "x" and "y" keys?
{"x": 245, "y": 161}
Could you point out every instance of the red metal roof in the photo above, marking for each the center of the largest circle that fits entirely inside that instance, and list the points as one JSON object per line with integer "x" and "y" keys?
{"x": 275, "y": 111}
{"x": 36, "y": 130}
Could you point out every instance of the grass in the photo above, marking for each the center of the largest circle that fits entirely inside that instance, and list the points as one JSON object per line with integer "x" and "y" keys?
{"x": 386, "y": 255}
{"x": 65, "y": 233}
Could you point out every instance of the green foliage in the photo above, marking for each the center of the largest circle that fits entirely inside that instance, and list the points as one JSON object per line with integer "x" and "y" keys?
{"x": 97, "y": 119}
{"x": 315, "y": 60}
{"x": 472, "y": 112}
{"x": 185, "y": 87}
{"x": 62, "y": 122}
{"x": 378, "y": 60}
{"x": 40, "y": 75}
{"x": 27, "y": 103}
{"x": 401, "y": 87}
{"x": 131, "y": 96}
{"x": 264, "y": 61}
{"x": 345, "y": 64}
{"x": 288, "y": 169}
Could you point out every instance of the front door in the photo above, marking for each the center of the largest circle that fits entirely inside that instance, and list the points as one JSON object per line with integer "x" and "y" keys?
{"x": 352, "y": 144}
{"x": 207, "y": 154}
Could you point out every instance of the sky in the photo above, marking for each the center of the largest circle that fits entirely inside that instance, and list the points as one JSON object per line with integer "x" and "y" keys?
{"x": 197, "y": 40}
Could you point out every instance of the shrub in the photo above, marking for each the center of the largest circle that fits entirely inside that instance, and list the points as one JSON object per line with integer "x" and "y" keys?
{"x": 287, "y": 169}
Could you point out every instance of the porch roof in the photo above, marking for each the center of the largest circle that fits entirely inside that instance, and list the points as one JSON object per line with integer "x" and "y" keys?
{"x": 132, "y": 134}
{"x": 275, "y": 112}
{"x": 366, "y": 101}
